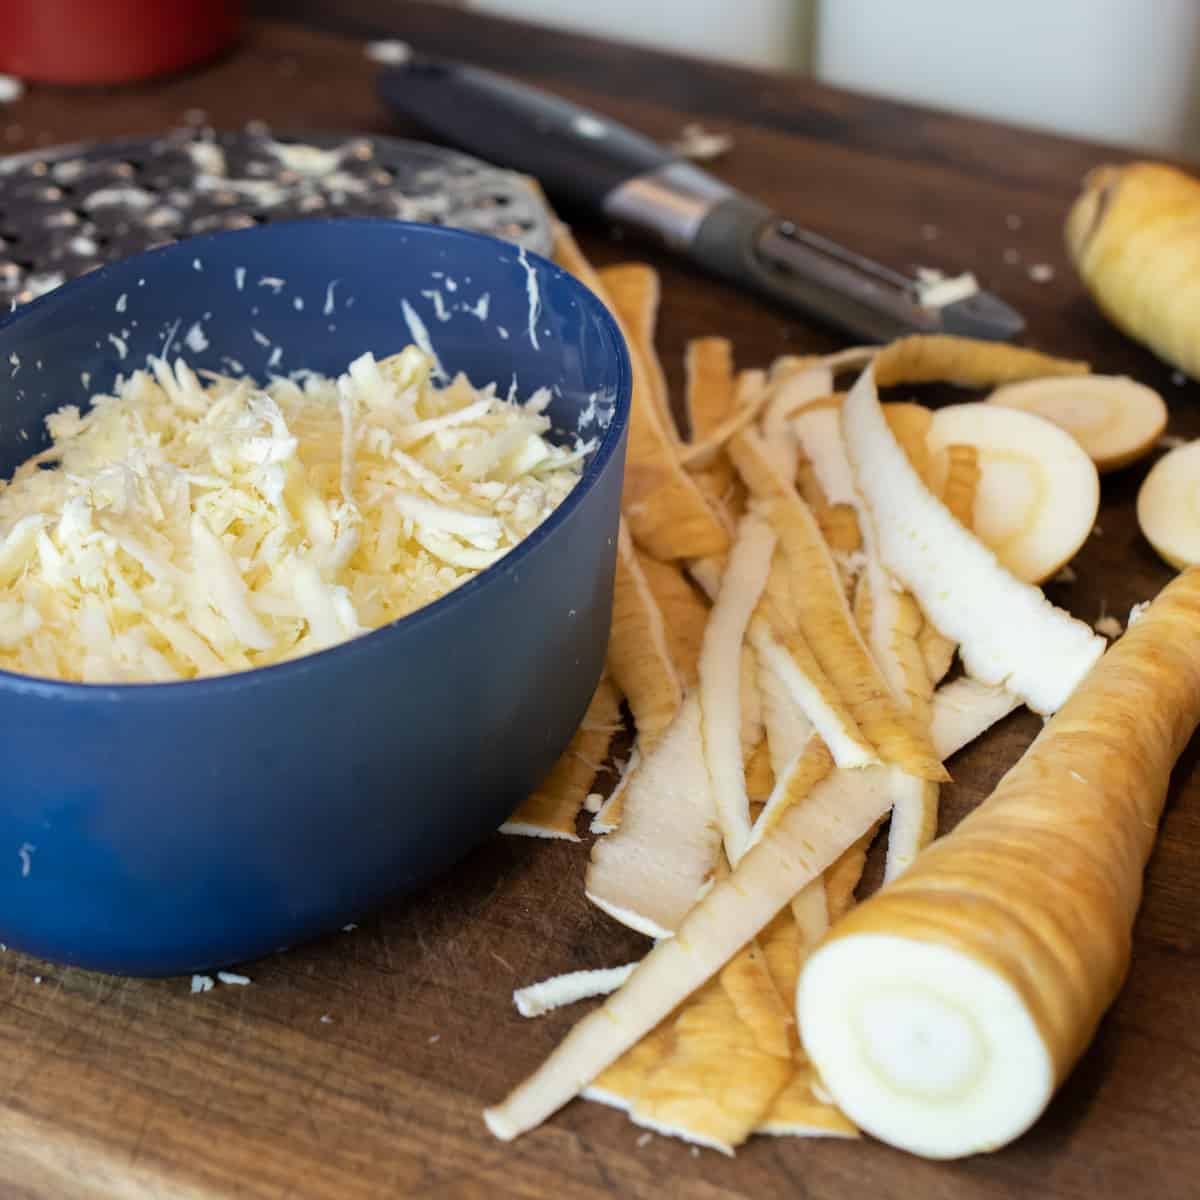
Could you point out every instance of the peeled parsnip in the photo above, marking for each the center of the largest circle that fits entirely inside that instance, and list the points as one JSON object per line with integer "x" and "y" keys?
{"x": 943, "y": 1012}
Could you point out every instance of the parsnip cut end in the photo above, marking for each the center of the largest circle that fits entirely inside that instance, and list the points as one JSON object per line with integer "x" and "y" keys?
{"x": 1114, "y": 419}
{"x": 1168, "y": 506}
{"x": 540, "y": 998}
{"x": 1038, "y": 492}
{"x": 1008, "y": 632}
{"x": 921, "y": 1045}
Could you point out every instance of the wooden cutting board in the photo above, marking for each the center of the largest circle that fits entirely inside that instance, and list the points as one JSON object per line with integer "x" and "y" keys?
{"x": 357, "y": 1066}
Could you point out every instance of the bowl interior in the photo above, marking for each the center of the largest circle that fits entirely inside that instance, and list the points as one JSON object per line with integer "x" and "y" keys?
{"x": 313, "y": 295}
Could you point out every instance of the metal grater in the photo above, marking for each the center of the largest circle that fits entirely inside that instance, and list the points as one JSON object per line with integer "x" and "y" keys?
{"x": 68, "y": 209}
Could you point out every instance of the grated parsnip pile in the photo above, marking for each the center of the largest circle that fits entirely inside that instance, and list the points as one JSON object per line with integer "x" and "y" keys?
{"x": 180, "y": 529}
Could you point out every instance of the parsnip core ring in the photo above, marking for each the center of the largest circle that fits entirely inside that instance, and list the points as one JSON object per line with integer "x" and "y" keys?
{"x": 923, "y": 1046}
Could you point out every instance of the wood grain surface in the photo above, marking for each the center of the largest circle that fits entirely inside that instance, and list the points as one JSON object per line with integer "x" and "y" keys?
{"x": 357, "y": 1066}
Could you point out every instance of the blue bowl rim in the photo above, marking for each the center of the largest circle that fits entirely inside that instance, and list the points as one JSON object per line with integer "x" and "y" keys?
{"x": 218, "y": 685}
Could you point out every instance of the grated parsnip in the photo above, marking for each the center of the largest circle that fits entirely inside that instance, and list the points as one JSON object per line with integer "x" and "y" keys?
{"x": 180, "y": 529}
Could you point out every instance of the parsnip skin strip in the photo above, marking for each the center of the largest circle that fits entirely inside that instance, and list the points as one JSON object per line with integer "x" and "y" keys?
{"x": 720, "y": 677}
{"x": 635, "y": 293}
{"x": 667, "y": 515}
{"x": 805, "y": 842}
{"x": 827, "y": 622}
{"x": 1010, "y": 937}
{"x": 650, "y": 871}
{"x": 537, "y": 999}
{"x": 958, "y": 495}
{"x": 639, "y": 659}
{"x": 709, "y": 395}
{"x": 963, "y": 709}
{"x": 684, "y": 613}
{"x": 551, "y": 811}
{"x": 968, "y": 362}
{"x": 729, "y": 1058}
{"x": 1007, "y": 631}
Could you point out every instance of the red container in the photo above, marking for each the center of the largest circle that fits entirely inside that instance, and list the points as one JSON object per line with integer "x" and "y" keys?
{"x": 111, "y": 41}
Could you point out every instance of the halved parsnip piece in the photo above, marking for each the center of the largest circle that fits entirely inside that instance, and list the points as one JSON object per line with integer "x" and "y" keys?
{"x": 943, "y": 1012}
{"x": 1168, "y": 506}
{"x": 550, "y": 812}
{"x": 968, "y": 362}
{"x": 1116, "y": 420}
{"x": 1008, "y": 632}
{"x": 668, "y": 516}
{"x": 639, "y": 658}
{"x": 720, "y": 677}
{"x": 650, "y": 871}
{"x": 1038, "y": 492}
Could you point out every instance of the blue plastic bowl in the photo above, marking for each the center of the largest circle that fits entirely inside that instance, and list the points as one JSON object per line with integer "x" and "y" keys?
{"x": 165, "y": 828}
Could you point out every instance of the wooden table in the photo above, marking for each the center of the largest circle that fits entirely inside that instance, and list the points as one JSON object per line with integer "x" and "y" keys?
{"x": 357, "y": 1066}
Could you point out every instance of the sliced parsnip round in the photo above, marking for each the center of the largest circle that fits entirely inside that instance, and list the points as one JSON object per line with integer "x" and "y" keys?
{"x": 1115, "y": 419}
{"x": 1168, "y": 506}
{"x": 1038, "y": 492}
{"x": 922, "y": 1045}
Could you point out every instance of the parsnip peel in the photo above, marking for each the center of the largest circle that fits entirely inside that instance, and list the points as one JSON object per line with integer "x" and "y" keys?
{"x": 666, "y": 512}
{"x": 968, "y": 362}
{"x": 551, "y": 810}
{"x": 1008, "y": 632}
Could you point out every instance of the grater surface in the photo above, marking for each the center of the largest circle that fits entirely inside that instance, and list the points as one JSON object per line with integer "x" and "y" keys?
{"x": 68, "y": 209}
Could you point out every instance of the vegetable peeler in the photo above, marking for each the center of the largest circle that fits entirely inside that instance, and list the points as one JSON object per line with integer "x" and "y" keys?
{"x": 590, "y": 162}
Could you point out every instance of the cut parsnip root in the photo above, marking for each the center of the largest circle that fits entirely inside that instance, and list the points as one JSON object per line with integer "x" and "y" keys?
{"x": 650, "y": 871}
{"x": 943, "y": 1012}
{"x": 720, "y": 677}
{"x": 1038, "y": 492}
{"x": 1168, "y": 506}
{"x": 806, "y": 841}
{"x": 1114, "y": 419}
{"x": 639, "y": 658}
{"x": 684, "y": 613}
{"x": 540, "y": 998}
{"x": 667, "y": 515}
{"x": 635, "y": 292}
{"x": 827, "y": 623}
{"x": 941, "y": 358}
{"x": 1008, "y": 632}
{"x": 550, "y": 812}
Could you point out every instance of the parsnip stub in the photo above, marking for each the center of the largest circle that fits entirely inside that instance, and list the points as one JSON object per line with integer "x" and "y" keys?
{"x": 923, "y": 1045}
{"x": 1168, "y": 506}
{"x": 1038, "y": 491}
{"x": 1115, "y": 419}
